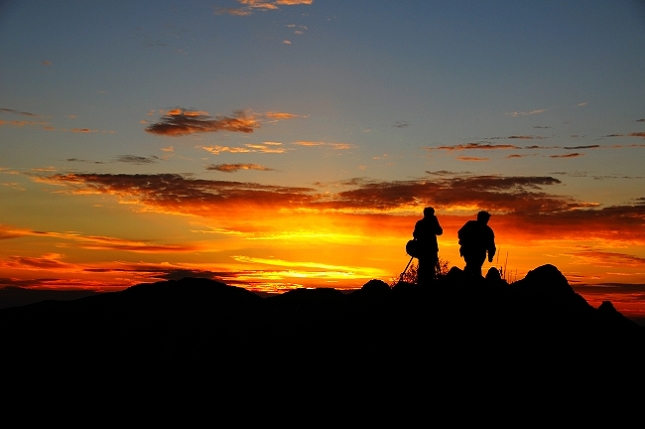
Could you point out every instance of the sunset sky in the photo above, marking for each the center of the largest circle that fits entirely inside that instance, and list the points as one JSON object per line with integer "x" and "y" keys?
{"x": 294, "y": 143}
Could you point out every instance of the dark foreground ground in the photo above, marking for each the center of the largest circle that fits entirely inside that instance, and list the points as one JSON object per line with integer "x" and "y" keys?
{"x": 457, "y": 335}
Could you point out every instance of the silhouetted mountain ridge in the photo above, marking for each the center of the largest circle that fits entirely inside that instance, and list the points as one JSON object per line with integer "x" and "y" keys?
{"x": 203, "y": 324}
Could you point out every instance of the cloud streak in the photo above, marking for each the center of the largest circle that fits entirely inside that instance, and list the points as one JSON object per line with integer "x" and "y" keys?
{"x": 334, "y": 146}
{"x": 232, "y": 168}
{"x": 266, "y": 147}
{"x": 568, "y": 155}
{"x": 471, "y": 146}
{"x": 17, "y": 112}
{"x": 532, "y": 112}
{"x": 138, "y": 160}
{"x": 520, "y": 203}
{"x": 248, "y": 6}
{"x": 181, "y": 122}
{"x": 98, "y": 242}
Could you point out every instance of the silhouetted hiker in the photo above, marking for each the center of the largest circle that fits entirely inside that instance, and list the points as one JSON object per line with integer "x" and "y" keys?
{"x": 425, "y": 232}
{"x": 475, "y": 239}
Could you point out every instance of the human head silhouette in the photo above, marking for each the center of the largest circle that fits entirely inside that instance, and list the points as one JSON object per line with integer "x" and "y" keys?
{"x": 428, "y": 211}
{"x": 483, "y": 216}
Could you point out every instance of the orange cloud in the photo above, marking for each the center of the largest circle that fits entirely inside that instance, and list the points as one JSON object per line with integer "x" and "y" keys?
{"x": 97, "y": 242}
{"x": 216, "y": 150}
{"x": 334, "y": 146}
{"x": 8, "y": 232}
{"x": 180, "y": 122}
{"x": 232, "y": 168}
{"x": 46, "y": 262}
{"x": 23, "y": 123}
{"x": 250, "y": 5}
{"x": 610, "y": 258}
{"x": 280, "y": 115}
{"x": 267, "y": 147}
{"x": 520, "y": 204}
{"x": 471, "y": 158}
{"x": 293, "y": 2}
{"x": 517, "y": 156}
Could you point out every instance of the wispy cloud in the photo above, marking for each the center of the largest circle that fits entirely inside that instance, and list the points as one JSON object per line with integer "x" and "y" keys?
{"x": 97, "y": 242}
{"x": 84, "y": 160}
{"x": 634, "y": 134}
{"x": 471, "y": 158}
{"x": 593, "y": 146}
{"x": 17, "y": 112}
{"x": 334, "y": 146}
{"x": 515, "y": 155}
{"x": 129, "y": 159}
{"x": 231, "y": 11}
{"x": 13, "y": 185}
{"x": 139, "y": 160}
{"x": 266, "y": 147}
{"x": 232, "y": 168}
{"x": 49, "y": 261}
{"x": 526, "y": 137}
{"x": 281, "y": 115}
{"x": 532, "y": 112}
{"x": 568, "y": 155}
{"x": 610, "y": 258}
{"x": 248, "y": 6}
{"x": 470, "y": 146}
{"x": 24, "y": 124}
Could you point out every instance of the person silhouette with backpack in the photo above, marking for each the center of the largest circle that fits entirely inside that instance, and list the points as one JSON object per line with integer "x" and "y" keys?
{"x": 425, "y": 233}
{"x": 475, "y": 239}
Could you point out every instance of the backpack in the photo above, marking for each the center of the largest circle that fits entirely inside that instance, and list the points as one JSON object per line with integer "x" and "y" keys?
{"x": 413, "y": 248}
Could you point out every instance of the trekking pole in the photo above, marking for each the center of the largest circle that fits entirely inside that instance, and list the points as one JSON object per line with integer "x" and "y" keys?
{"x": 406, "y": 268}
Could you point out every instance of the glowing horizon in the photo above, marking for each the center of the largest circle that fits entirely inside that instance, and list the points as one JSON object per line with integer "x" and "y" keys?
{"x": 294, "y": 143}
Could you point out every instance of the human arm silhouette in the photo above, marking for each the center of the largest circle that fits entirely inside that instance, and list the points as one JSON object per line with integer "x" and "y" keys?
{"x": 490, "y": 246}
{"x": 438, "y": 230}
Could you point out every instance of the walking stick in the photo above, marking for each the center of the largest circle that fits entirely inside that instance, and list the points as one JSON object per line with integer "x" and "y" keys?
{"x": 406, "y": 268}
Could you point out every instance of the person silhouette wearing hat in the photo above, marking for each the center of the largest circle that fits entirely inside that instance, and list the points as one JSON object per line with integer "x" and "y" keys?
{"x": 425, "y": 232}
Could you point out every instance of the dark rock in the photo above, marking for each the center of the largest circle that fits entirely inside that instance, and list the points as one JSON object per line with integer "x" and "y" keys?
{"x": 546, "y": 280}
{"x": 376, "y": 286}
{"x": 493, "y": 275}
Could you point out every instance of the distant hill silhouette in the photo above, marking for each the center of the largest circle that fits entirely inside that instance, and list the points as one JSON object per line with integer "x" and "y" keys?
{"x": 15, "y": 296}
{"x": 457, "y": 327}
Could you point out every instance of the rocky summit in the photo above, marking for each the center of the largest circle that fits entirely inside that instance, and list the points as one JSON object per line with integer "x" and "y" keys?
{"x": 454, "y": 329}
